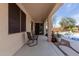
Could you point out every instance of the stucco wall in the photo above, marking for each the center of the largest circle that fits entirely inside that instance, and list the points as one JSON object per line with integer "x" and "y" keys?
{"x": 9, "y": 44}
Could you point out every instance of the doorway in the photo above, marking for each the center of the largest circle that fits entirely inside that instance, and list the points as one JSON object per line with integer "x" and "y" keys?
{"x": 39, "y": 28}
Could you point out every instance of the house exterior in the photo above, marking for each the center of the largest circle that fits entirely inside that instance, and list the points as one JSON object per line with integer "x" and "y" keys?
{"x": 10, "y": 43}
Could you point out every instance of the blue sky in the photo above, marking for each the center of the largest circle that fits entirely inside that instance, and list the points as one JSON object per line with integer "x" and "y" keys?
{"x": 67, "y": 10}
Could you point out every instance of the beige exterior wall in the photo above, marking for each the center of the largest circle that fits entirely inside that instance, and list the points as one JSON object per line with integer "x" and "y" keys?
{"x": 9, "y": 44}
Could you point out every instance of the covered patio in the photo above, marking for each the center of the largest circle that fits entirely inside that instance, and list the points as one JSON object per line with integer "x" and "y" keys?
{"x": 13, "y": 42}
{"x": 44, "y": 48}
{"x": 20, "y": 18}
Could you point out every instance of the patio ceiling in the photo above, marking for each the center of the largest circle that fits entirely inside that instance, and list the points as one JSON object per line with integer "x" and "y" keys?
{"x": 39, "y": 11}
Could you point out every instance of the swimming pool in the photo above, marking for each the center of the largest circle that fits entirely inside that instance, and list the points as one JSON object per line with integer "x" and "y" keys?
{"x": 69, "y": 37}
{"x": 75, "y": 38}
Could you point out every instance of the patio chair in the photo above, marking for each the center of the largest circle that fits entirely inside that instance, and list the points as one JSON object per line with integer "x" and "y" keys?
{"x": 54, "y": 39}
{"x": 33, "y": 39}
{"x": 64, "y": 43}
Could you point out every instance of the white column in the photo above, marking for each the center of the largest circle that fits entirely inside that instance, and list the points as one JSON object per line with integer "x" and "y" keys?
{"x": 50, "y": 18}
{"x": 49, "y": 28}
{"x": 45, "y": 24}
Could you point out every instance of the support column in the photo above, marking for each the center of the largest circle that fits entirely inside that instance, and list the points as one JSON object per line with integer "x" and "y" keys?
{"x": 49, "y": 29}
{"x": 50, "y": 18}
{"x": 45, "y": 27}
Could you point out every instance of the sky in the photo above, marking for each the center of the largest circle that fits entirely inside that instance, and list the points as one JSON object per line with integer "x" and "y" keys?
{"x": 66, "y": 10}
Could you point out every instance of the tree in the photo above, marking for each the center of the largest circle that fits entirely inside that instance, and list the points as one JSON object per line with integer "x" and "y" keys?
{"x": 67, "y": 23}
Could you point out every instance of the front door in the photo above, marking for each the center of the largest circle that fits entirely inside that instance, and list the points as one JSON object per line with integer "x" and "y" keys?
{"x": 39, "y": 28}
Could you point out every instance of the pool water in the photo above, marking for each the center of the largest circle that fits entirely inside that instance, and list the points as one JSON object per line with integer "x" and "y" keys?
{"x": 74, "y": 38}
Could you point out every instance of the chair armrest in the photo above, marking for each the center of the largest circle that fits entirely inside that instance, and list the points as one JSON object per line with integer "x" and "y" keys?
{"x": 35, "y": 37}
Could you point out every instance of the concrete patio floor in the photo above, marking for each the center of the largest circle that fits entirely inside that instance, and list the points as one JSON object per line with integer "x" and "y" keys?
{"x": 43, "y": 48}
